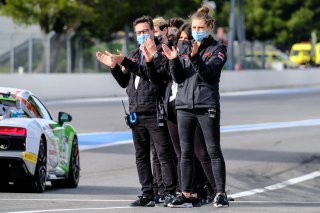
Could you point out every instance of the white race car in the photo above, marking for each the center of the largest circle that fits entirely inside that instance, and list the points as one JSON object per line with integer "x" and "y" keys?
{"x": 34, "y": 148}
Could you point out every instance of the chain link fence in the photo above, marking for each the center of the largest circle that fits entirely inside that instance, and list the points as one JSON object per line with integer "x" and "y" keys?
{"x": 53, "y": 53}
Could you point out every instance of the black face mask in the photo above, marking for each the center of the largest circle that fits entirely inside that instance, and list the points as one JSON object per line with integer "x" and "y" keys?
{"x": 184, "y": 46}
{"x": 158, "y": 39}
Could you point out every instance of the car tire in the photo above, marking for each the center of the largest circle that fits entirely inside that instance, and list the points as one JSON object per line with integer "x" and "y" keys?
{"x": 38, "y": 183}
{"x": 72, "y": 180}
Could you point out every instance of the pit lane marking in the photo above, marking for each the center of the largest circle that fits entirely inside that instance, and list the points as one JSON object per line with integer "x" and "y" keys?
{"x": 64, "y": 210}
{"x": 64, "y": 200}
{"x": 103, "y": 139}
{"x": 280, "y": 185}
{"x": 276, "y": 186}
{"x": 226, "y": 94}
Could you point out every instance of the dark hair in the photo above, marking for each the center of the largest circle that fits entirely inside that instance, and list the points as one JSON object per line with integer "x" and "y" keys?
{"x": 203, "y": 13}
{"x": 184, "y": 28}
{"x": 175, "y": 22}
{"x": 144, "y": 19}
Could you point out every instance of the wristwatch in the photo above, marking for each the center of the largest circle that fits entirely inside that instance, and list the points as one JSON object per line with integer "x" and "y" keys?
{"x": 155, "y": 55}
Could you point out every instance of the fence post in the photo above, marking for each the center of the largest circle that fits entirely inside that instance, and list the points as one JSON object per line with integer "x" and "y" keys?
{"x": 69, "y": 36}
{"x": 230, "y": 62}
{"x": 48, "y": 41}
{"x": 11, "y": 54}
{"x": 30, "y": 52}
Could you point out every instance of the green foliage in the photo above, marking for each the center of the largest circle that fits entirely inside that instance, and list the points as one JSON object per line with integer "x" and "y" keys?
{"x": 59, "y": 16}
{"x": 93, "y": 18}
{"x": 283, "y": 22}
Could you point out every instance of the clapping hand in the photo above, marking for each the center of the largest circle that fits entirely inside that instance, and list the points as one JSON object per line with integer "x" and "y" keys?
{"x": 170, "y": 54}
{"x": 105, "y": 59}
{"x": 146, "y": 53}
{"x": 195, "y": 48}
{"x": 116, "y": 58}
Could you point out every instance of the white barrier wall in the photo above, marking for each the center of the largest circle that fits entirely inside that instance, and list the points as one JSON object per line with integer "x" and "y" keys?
{"x": 63, "y": 86}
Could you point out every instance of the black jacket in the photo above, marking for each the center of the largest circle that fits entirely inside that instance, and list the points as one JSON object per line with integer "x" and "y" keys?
{"x": 199, "y": 76}
{"x": 144, "y": 98}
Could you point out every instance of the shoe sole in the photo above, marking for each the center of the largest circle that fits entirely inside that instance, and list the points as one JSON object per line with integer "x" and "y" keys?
{"x": 221, "y": 206}
{"x": 150, "y": 204}
{"x": 185, "y": 205}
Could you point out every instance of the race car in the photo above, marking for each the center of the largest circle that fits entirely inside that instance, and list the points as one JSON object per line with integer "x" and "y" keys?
{"x": 34, "y": 148}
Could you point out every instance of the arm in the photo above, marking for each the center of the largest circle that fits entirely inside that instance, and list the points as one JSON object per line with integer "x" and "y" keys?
{"x": 176, "y": 70}
{"x": 135, "y": 68}
{"x": 210, "y": 70}
{"x": 122, "y": 77}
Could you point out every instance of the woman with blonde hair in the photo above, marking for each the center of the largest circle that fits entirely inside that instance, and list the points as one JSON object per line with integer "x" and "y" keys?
{"x": 198, "y": 101}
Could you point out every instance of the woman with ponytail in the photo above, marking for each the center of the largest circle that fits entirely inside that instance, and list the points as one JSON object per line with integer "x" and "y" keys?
{"x": 198, "y": 101}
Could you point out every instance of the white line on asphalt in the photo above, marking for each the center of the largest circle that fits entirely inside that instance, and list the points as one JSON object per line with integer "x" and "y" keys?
{"x": 63, "y": 200}
{"x": 278, "y": 185}
{"x": 236, "y": 93}
{"x": 276, "y": 202}
{"x": 64, "y": 210}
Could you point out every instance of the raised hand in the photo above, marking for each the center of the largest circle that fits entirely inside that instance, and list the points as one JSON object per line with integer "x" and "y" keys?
{"x": 150, "y": 45}
{"x": 195, "y": 48}
{"x": 105, "y": 59}
{"x": 170, "y": 54}
{"x": 116, "y": 58}
{"x": 146, "y": 53}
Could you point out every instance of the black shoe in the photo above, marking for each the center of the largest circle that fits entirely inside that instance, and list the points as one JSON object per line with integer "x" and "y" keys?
{"x": 181, "y": 202}
{"x": 221, "y": 200}
{"x": 143, "y": 201}
{"x": 159, "y": 199}
{"x": 196, "y": 202}
{"x": 210, "y": 198}
{"x": 168, "y": 199}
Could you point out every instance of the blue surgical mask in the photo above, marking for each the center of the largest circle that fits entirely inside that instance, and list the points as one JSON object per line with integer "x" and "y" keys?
{"x": 199, "y": 35}
{"x": 141, "y": 38}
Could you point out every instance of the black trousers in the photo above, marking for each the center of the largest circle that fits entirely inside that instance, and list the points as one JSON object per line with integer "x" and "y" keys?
{"x": 200, "y": 151}
{"x": 187, "y": 121}
{"x": 145, "y": 130}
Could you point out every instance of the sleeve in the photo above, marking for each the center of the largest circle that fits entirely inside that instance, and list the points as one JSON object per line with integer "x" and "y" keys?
{"x": 135, "y": 68}
{"x": 210, "y": 70}
{"x": 121, "y": 77}
{"x": 176, "y": 70}
{"x": 158, "y": 70}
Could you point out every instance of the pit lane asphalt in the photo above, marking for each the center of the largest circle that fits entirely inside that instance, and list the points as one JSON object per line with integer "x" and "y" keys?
{"x": 255, "y": 160}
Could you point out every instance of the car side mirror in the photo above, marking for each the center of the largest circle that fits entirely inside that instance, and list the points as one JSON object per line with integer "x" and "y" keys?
{"x": 64, "y": 117}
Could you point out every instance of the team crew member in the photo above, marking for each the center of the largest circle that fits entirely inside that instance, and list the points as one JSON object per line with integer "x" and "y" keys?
{"x": 163, "y": 74}
{"x": 198, "y": 100}
{"x": 160, "y": 27}
{"x": 142, "y": 106}
{"x": 174, "y": 25}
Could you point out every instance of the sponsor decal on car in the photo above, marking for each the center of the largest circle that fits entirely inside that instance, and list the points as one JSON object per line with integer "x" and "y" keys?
{"x": 30, "y": 157}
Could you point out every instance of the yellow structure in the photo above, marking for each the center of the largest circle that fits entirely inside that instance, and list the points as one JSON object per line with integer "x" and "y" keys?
{"x": 302, "y": 53}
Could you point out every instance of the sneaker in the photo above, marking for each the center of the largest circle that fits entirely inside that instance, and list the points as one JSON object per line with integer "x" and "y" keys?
{"x": 181, "y": 202}
{"x": 210, "y": 198}
{"x": 196, "y": 202}
{"x": 159, "y": 199}
{"x": 143, "y": 201}
{"x": 168, "y": 199}
{"x": 221, "y": 200}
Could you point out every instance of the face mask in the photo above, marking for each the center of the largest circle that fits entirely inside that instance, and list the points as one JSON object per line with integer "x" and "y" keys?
{"x": 199, "y": 35}
{"x": 184, "y": 46}
{"x": 158, "y": 39}
{"x": 141, "y": 38}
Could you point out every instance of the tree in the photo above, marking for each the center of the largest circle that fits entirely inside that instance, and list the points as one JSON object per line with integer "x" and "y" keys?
{"x": 60, "y": 16}
{"x": 91, "y": 18}
{"x": 281, "y": 21}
